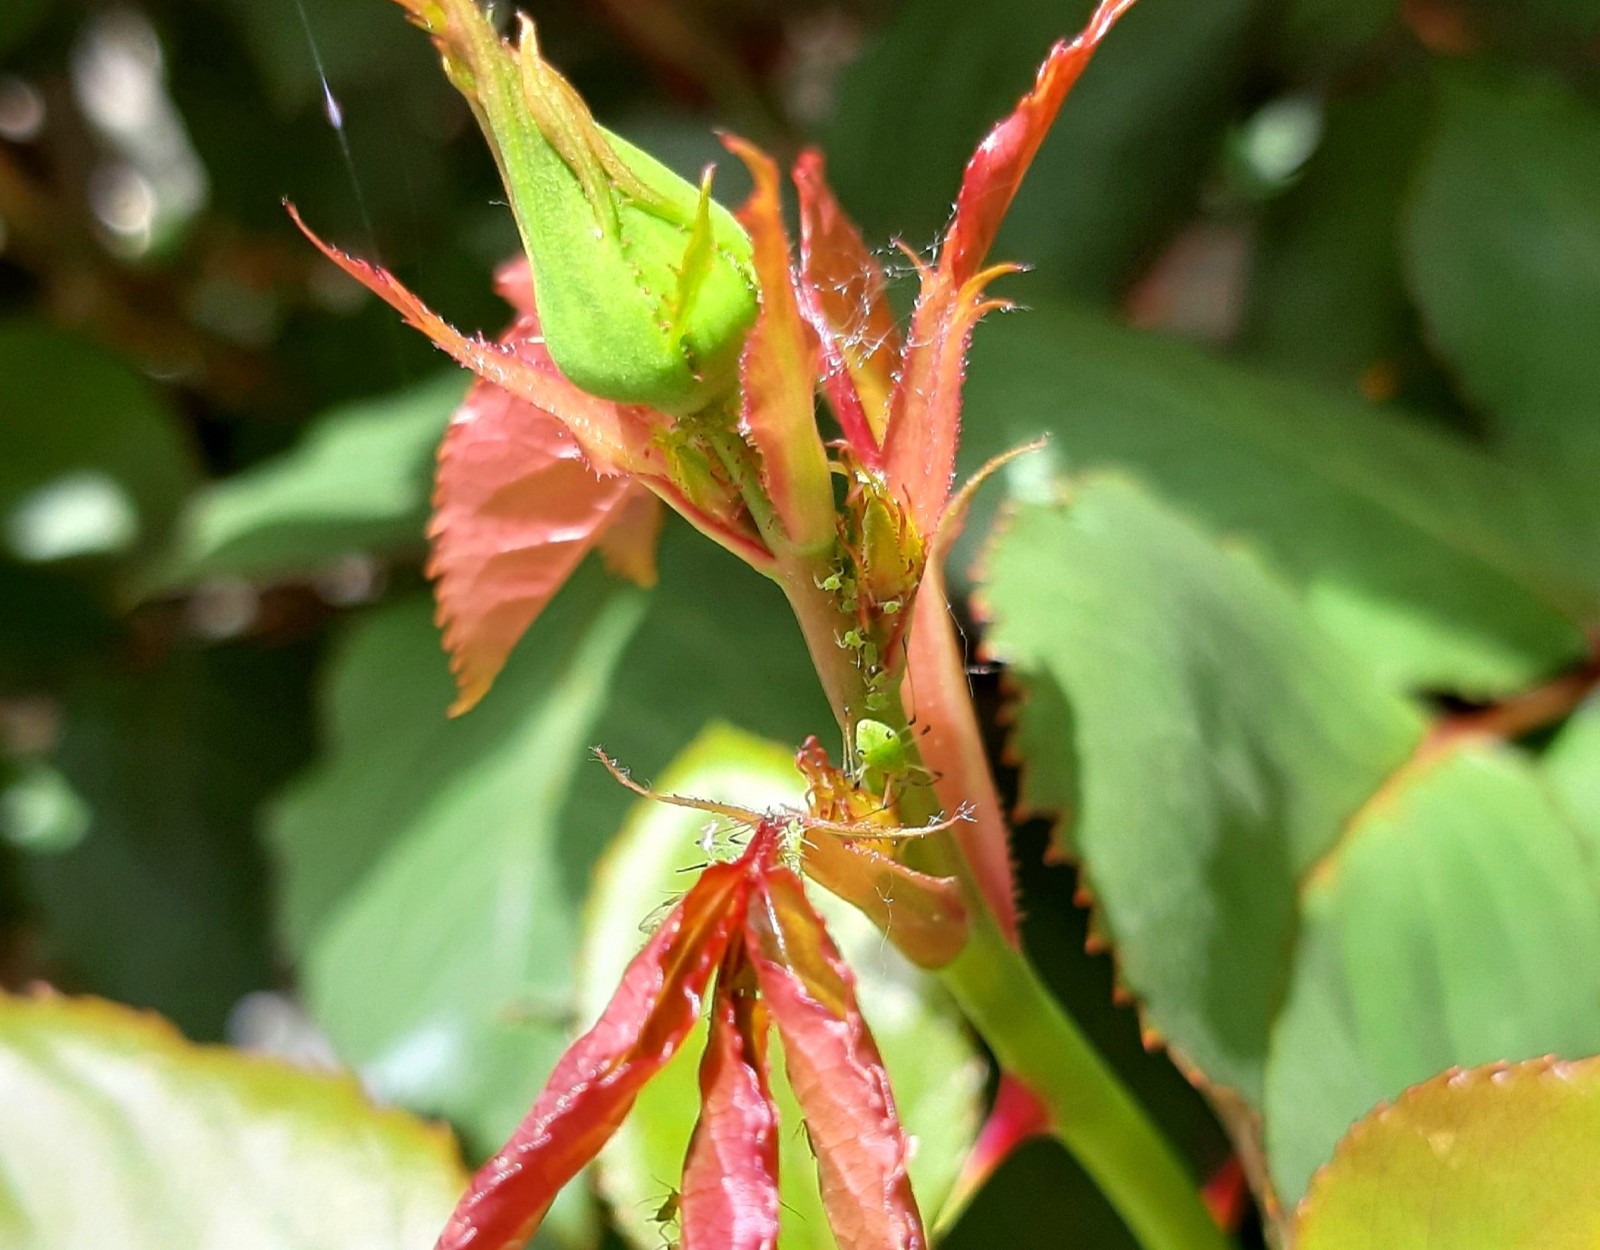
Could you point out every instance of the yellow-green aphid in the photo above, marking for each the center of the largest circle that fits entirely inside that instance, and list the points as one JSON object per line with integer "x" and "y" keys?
{"x": 884, "y": 756}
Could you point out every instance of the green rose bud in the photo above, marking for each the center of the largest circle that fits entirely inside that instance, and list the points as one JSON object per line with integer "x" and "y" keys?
{"x": 643, "y": 282}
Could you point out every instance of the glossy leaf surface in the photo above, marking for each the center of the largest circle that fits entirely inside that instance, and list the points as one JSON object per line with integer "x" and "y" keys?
{"x": 1456, "y": 923}
{"x": 119, "y": 1132}
{"x": 1440, "y": 567}
{"x": 1495, "y": 1158}
{"x": 1208, "y": 741}
{"x": 1311, "y": 917}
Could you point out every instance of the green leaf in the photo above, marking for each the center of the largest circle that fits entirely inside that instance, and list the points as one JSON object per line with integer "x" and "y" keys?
{"x": 937, "y": 1076}
{"x": 358, "y": 481}
{"x": 119, "y": 1132}
{"x": 1313, "y": 917}
{"x": 1319, "y": 35}
{"x": 18, "y": 20}
{"x": 1572, "y": 770}
{"x": 1457, "y": 922}
{"x": 91, "y": 462}
{"x": 1123, "y": 161}
{"x": 1498, "y": 1158}
{"x": 421, "y": 884}
{"x": 1208, "y": 740}
{"x": 1327, "y": 298}
{"x": 1502, "y": 257}
{"x": 1440, "y": 567}
{"x": 434, "y": 870}
{"x": 162, "y": 902}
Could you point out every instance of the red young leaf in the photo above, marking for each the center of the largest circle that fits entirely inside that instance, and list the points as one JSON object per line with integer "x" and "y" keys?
{"x": 842, "y": 290}
{"x": 516, "y": 508}
{"x": 778, "y": 371}
{"x": 925, "y": 416}
{"x": 628, "y": 545}
{"x": 835, "y": 1071}
{"x": 996, "y": 168}
{"x": 730, "y": 1178}
{"x": 596, "y": 1081}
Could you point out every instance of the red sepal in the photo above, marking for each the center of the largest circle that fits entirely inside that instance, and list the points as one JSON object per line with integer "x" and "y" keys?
{"x": 778, "y": 371}
{"x": 996, "y": 168}
{"x": 597, "y": 1080}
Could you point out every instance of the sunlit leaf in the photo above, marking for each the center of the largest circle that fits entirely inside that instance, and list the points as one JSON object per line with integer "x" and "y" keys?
{"x": 1438, "y": 566}
{"x": 117, "y": 1131}
{"x": 1206, "y": 740}
{"x": 1497, "y": 1158}
{"x": 1456, "y": 922}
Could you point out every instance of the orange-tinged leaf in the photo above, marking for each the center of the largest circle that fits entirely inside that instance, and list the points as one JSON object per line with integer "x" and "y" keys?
{"x": 628, "y": 545}
{"x": 1500, "y": 1157}
{"x": 835, "y": 1071}
{"x": 778, "y": 371}
{"x": 995, "y": 171}
{"x": 597, "y": 1080}
{"x": 937, "y": 694}
{"x": 843, "y": 292}
{"x": 516, "y": 508}
{"x": 730, "y": 1178}
{"x": 922, "y": 915}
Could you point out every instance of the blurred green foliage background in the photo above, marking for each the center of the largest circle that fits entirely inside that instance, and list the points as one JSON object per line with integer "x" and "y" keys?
{"x": 1325, "y": 274}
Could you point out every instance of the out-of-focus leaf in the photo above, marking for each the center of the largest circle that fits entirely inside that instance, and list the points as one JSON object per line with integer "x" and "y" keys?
{"x": 1440, "y": 567}
{"x": 1501, "y": 257}
{"x": 163, "y": 902}
{"x": 345, "y": 42}
{"x": 420, "y": 884}
{"x": 936, "y": 1076}
{"x": 1125, "y": 155}
{"x": 119, "y": 1132}
{"x": 1328, "y": 300}
{"x": 1208, "y": 741}
{"x": 1456, "y": 922}
{"x": 1318, "y": 34}
{"x": 1572, "y": 770}
{"x": 18, "y": 20}
{"x": 91, "y": 462}
{"x": 1497, "y": 1158}
{"x": 359, "y": 481}
{"x": 40, "y": 812}
{"x": 434, "y": 868}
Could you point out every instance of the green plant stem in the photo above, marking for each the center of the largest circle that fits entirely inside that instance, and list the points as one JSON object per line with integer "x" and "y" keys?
{"x": 1092, "y": 1112}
